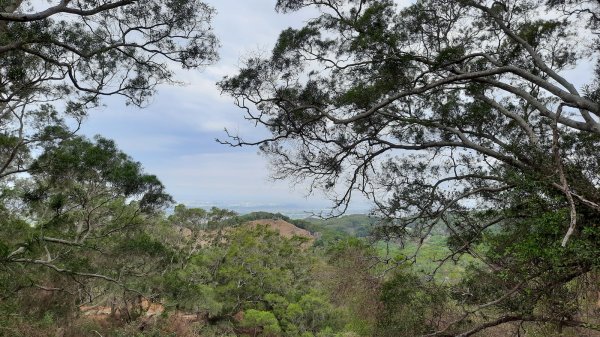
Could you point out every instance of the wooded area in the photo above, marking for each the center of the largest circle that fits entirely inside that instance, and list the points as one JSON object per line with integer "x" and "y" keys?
{"x": 472, "y": 126}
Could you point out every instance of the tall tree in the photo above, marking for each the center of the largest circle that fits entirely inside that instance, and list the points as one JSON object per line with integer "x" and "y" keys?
{"x": 467, "y": 114}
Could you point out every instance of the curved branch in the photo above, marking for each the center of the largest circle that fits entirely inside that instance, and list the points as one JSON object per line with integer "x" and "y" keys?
{"x": 61, "y": 8}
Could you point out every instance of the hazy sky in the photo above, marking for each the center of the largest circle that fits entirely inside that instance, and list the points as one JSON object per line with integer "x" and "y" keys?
{"x": 174, "y": 137}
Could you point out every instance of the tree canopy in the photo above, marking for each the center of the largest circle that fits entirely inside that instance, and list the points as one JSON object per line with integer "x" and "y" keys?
{"x": 59, "y": 58}
{"x": 472, "y": 115}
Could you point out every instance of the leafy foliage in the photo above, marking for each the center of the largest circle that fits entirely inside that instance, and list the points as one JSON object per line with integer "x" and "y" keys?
{"x": 82, "y": 216}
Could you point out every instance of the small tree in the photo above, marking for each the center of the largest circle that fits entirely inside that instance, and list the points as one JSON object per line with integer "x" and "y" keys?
{"x": 82, "y": 216}
{"x": 263, "y": 321}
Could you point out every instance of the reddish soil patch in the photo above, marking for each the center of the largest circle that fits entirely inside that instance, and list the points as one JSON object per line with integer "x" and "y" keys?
{"x": 285, "y": 229}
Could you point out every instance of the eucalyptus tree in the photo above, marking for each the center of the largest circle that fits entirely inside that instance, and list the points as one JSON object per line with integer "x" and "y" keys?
{"x": 479, "y": 116}
{"x": 59, "y": 58}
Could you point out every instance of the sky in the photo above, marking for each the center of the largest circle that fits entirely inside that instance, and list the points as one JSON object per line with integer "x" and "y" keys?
{"x": 174, "y": 136}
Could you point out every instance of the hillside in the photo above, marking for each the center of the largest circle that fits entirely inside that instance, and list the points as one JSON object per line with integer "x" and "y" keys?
{"x": 285, "y": 229}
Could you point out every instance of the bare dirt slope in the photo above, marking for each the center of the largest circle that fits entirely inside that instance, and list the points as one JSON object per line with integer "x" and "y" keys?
{"x": 285, "y": 229}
